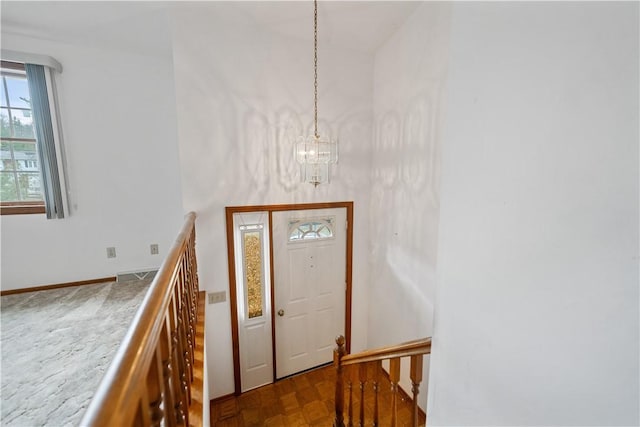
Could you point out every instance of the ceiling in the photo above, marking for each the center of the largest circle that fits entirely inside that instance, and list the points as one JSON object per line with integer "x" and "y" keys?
{"x": 359, "y": 25}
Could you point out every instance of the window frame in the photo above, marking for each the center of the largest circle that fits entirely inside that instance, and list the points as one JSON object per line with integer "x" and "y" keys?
{"x": 20, "y": 207}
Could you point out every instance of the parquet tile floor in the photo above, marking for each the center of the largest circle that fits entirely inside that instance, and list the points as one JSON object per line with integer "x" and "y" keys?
{"x": 304, "y": 400}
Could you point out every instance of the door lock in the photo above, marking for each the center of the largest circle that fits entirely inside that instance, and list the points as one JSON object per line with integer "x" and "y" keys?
{"x": 281, "y": 312}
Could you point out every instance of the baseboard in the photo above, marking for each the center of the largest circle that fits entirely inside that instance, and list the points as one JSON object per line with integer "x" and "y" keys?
{"x": 221, "y": 398}
{"x": 57, "y": 286}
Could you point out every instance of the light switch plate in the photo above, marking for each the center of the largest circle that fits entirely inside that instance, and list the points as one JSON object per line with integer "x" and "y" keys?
{"x": 216, "y": 297}
{"x": 111, "y": 252}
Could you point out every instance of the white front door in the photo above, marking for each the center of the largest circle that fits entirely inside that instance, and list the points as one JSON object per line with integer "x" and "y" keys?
{"x": 251, "y": 242}
{"x": 309, "y": 256}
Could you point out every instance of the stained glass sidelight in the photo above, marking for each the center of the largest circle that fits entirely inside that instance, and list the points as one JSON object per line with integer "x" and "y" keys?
{"x": 252, "y": 253}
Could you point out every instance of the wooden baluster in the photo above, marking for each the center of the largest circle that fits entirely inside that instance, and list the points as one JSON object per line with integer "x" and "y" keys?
{"x": 186, "y": 354}
{"x": 185, "y": 330}
{"x": 193, "y": 308}
{"x": 176, "y": 382}
{"x": 350, "y": 379}
{"x": 167, "y": 376}
{"x": 377, "y": 367}
{"x": 176, "y": 389}
{"x": 363, "y": 381}
{"x": 154, "y": 414}
{"x": 187, "y": 371}
{"x": 193, "y": 261}
{"x": 194, "y": 276}
{"x": 338, "y": 353}
{"x": 189, "y": 329}
{"x": 187, "y": 316}
{"x": 182, "y": 325}
{"x": 180, "y": 407}
{"x": 394, "y": 377}
{"x": 180, "y": 356}
{"x": 187, "y": 319}
{"x": 416, "y": 378}
{"x": 192, "y": 296}
{"x": 141, "y": 416}
{"x": 185, "y": 338}
{"x": 195, "y": 287}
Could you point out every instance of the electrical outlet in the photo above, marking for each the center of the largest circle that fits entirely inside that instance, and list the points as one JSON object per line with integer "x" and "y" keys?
{"x": 111, "y": 252}
{"x": 154, "y": 249}
{"x": 216, "y": 297}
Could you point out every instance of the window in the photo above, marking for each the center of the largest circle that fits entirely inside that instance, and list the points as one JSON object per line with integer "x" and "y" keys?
{"x": 301, "y": 230}
{"x": 31, "y": 179}
{"x": 20, "y": 180}
{"x": 252, "y": 266}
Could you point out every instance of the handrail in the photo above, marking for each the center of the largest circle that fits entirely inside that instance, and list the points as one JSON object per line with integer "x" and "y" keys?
{"x": 150, "y": 368}
{"x": 409, "y": 348}
{"x": 415, "y": 350}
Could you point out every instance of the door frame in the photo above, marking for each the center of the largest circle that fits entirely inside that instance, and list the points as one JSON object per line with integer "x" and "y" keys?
{"x": 233, "y": 285}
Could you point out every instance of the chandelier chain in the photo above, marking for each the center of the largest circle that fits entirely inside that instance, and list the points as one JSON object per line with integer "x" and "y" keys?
{"x": 315, "y": 67}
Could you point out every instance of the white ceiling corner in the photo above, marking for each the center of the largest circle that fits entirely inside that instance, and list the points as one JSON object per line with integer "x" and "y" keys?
{"x": 144, "y": 26}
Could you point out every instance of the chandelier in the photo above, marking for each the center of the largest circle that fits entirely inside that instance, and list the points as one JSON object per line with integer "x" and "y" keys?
{"x": 315, "y": 153}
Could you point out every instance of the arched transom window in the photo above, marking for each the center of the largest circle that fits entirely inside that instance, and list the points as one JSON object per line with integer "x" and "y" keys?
{"x": 311, "y": 229}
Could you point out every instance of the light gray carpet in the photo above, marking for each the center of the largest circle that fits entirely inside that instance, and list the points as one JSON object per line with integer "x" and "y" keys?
{"x": 56, "y": 345}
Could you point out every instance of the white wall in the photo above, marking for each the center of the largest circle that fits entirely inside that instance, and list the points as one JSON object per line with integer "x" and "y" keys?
{"x": 243, "y": 95}
{"x": 119, "y": 124}
{"x": 410, "y": 73}
{"x": 537, "y": 301}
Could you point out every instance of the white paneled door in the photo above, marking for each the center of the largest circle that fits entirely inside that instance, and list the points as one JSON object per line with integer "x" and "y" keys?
{"x": 309, "y": 258}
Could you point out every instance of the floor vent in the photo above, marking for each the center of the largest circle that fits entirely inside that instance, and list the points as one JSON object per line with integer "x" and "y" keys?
{"x": 136, "y": 275}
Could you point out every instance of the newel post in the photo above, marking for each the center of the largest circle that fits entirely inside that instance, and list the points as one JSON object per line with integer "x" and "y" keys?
{"x": 338, "y": 353}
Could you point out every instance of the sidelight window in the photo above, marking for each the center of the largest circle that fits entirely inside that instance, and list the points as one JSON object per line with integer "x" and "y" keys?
{"x": 252, "y": 244}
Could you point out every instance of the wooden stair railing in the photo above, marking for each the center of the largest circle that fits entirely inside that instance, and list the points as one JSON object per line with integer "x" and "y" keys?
{"x": 149, "y": 381}
{"x": 366, "y": 366}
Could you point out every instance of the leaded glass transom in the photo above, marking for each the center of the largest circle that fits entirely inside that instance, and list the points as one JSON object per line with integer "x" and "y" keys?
{"x": 314, "y": 229}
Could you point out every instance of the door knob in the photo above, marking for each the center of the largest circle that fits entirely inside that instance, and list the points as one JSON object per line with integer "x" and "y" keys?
{"x": 281, "y": 312}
